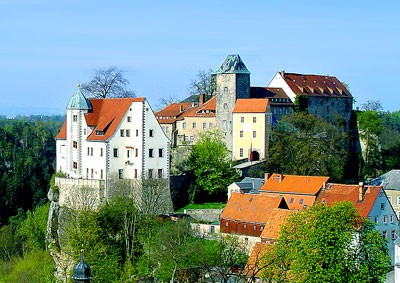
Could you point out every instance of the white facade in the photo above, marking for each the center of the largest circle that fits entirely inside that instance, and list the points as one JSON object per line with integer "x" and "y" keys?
{"x": 116, "y": 138}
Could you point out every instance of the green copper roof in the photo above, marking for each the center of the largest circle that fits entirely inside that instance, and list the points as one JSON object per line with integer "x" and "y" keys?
{"x": 232, "y": 64}
{"x": 79, "y": 101}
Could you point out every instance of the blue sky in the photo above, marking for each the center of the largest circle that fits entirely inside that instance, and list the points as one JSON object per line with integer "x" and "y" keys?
{"x": 47, "y": 47}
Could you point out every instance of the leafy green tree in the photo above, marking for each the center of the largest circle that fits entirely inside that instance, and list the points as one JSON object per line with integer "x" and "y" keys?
{"x": 209, "y": 160}
{"x": 330, "y": 244}
{"x": 304, "y": 144}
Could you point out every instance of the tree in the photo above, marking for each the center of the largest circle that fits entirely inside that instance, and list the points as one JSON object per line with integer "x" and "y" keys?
{"x": 303, "y": 144}
{"x": 330, "y": 244}
{"x": 203, "y": 84}
{"x": 209, "y": 160}
{"x": 108, "y": 82}
{"x": 372, "y": 105}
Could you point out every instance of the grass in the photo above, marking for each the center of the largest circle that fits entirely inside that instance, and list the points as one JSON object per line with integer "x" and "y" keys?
{"x": 208, "y": 205}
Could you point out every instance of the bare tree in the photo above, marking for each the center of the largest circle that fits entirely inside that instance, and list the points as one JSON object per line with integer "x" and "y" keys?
{"x": 203, "y": 84}
{"x": 108, "y": 82}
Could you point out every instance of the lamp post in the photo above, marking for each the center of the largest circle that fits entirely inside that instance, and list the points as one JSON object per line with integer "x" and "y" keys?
{"x": 81, "y": 272}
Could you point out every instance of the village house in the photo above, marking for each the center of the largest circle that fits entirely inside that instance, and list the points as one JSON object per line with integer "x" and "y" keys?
{"x": 299, "y": 192}
{"x": 111, "y": 138}
{"x": 371, "y": 202}
{"x": 246, "y": 215}
{"x": 247, "y": 185}
{"x": 390, "y": 183}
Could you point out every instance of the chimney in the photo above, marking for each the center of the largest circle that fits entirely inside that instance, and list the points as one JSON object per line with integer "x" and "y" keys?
{"x": 280, "y": 177}
{"x": 201, "y": 99}
{"x": 360, "y": 191}
{"x": 266, "y": 176}
{"x": 180, "y": 107}
{"x": 282, "y": 73}
{"x": 324, "y": 185}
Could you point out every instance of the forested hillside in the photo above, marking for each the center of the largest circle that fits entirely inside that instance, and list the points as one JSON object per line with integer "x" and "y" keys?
{"x": 27, "y": 156}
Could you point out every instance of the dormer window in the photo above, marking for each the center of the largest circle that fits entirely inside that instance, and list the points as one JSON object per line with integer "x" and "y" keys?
{"x": 99, "y": 133}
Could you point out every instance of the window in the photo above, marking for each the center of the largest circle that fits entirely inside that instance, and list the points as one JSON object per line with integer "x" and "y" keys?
{"x": 261, "y": 228}
{"x": 240, "y": 152}
{"x": 291, "y": 200}
{"x": 129, "y": 119}
{"x": 137, "y": 132}
{"x": 254, "y": 119}
{"x": 101, "y": 151}
{"x": 75, "y": 144}
{"x": 101, "y": 174}
{"x": 376, "y": 219}
{"x": 128, "y": 133}
{"x": 91, "y": 173}
{"x": 254, "y": 134}
{"x": 391, "y": 218}
{"x": 75, "y": 118}
{"x": 241, "y": 119}
{"x": 150, "y": 173}
{"x": 160, "y": 152}
{"x": 224, "y": 125}
{"x": 120, "y": 173}
{"x": 384, "y": 234}
{"x": 254, "y": 227}
{"x": 226, "y": 223}
{"x": 204, "y": 126}
{"x": 194, "y": 125}
{"x": 151, "y": 133}
{"x": 225, "y": 89}
{"x": 382, "y": 206}
{"x": 136, "y": 152}
{"x": 241, "y": 134}
{"x": 301, "y": 201}
{"x": 74, "y": 165}
{"x": 122, "y": 133}
{"x": 128, "y": 153}
{"x": 210, "y": 125}
{"x": 244, "y": 226}
{"x": 135, "y": 173}
{"x": 115, "y": 152}
{"x": 151, "y": 152}
{"x": 385, "y": 219}
{"x": 160, "y": 173}
{"x": 88, "y": 151}
{"x": 191, "y": 138}
{"x": 393, "y": 235}
{"x": 91, "y": 151}
{"x": 184, "y": 125}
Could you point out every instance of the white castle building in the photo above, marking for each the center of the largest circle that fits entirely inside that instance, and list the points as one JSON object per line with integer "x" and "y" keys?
{"x": 111, "y": 138}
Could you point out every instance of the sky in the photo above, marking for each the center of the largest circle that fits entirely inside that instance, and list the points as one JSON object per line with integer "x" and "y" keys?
{"x": 47, "y": 47}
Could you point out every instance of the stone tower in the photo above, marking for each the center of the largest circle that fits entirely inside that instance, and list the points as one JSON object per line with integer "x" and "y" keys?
{"x": 232, "y": 82}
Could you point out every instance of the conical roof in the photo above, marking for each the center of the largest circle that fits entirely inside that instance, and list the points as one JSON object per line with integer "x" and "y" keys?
{"x": 82, "y": 271}
{"x": 79, "y": 101}
{"x": 233, "y": 64}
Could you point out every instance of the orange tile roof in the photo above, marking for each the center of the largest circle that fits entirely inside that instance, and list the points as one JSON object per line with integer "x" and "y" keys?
{"x": 294, "y": 184}
{"x": 275, "y": 221}
{"x": 316, "y": 85}
{"x": 251, "y": 208}
{"x": 62, "y": 135}
{"x": 339, "y": 192}
{"x": 106, "y": 116}
{"x": 205, "y": 110}
{"x": 251, "y": 105}
{"x": 173, "y": 110}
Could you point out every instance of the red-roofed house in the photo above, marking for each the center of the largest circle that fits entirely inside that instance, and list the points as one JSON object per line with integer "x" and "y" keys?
{"x": 371, "y": 202}
{"x": 113, "y": 137}
{"x": 299, "y": 192}
{"x": 324, "y": 96}
{"x": 247, "y": 214}
{"x": 251, "y": 128}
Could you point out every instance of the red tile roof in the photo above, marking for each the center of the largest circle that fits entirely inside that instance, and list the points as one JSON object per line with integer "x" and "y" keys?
{"x": 251, "y": 105}
{"x": 205, "y": 110}
{"x": 296, "y": 201}
{"x": 315, "y": 85}
{"x": 293, "y": 184}
{"x": 106, "y": 116}
{"x": 62, "y": 135}
{"x": 276, "y": 220}
{"x": 251, "y": 208}
{"x": 257, "y": 262}
{"x": 172, "y": 111}
{"x": 339, "y": 192}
